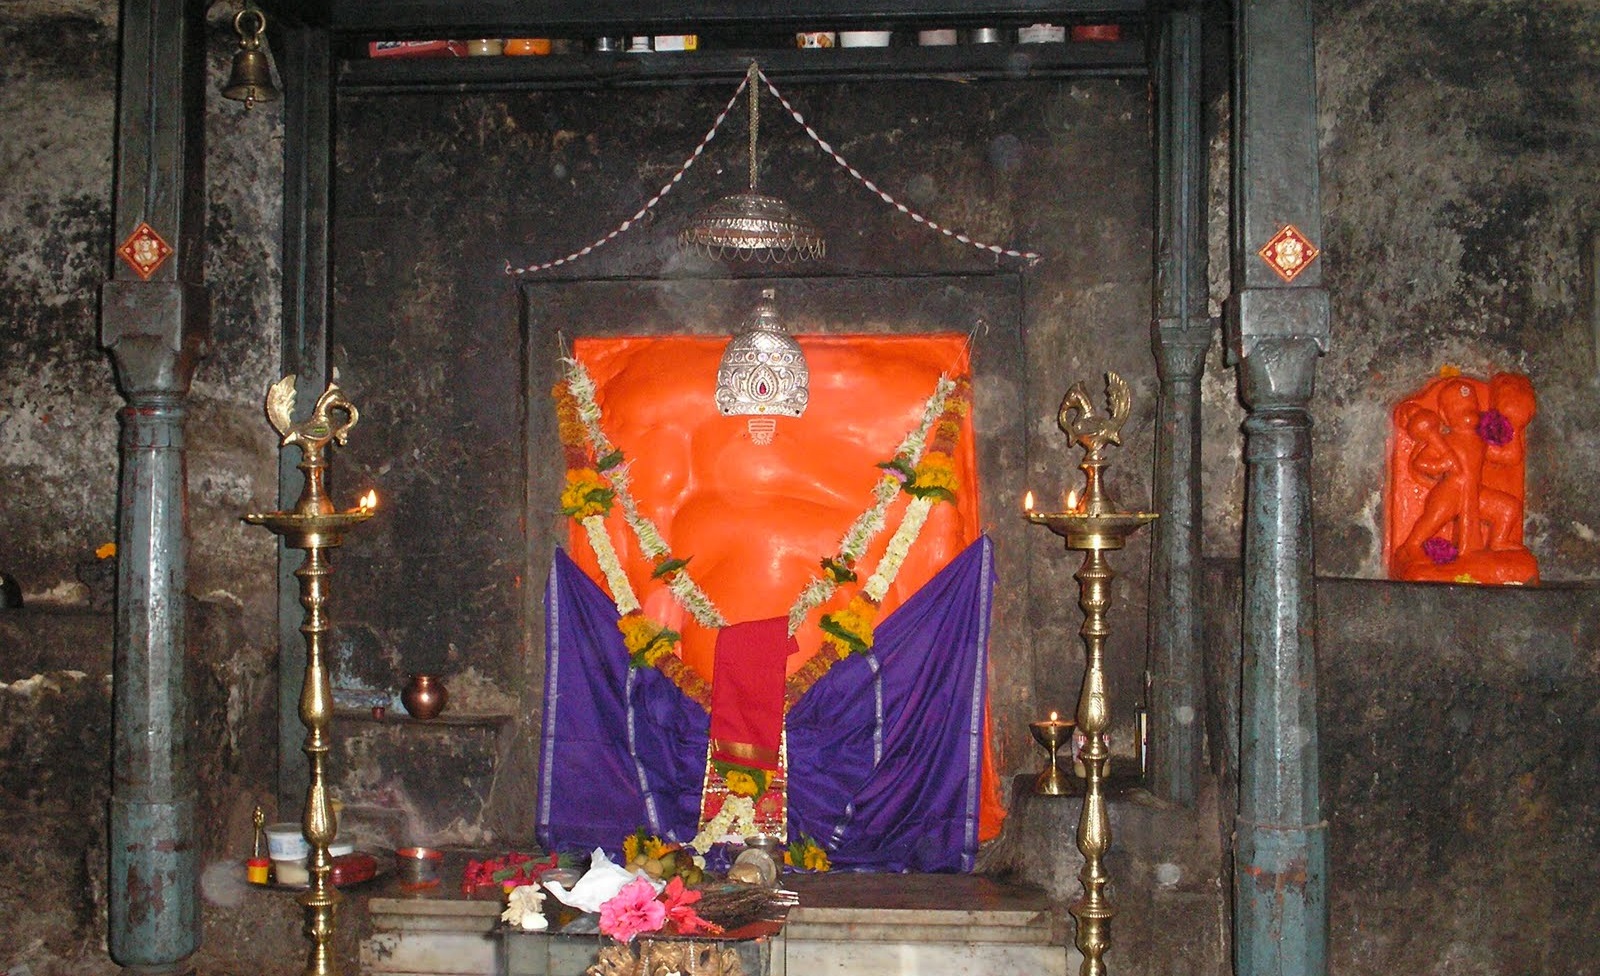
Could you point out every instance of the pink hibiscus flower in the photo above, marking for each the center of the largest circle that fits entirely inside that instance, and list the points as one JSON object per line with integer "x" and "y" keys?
{"x": 633, "y": 911}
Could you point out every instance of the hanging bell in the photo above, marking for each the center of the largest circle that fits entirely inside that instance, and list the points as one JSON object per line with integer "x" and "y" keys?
{"x": 251, "y": 79}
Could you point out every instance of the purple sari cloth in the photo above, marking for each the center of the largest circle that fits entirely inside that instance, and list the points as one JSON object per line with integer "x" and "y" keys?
{"x": 885, "y": 752}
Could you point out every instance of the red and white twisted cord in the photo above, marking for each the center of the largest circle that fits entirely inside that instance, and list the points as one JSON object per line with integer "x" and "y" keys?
{"x": 1032, "y": 257}
{"x": 648, "y": 204}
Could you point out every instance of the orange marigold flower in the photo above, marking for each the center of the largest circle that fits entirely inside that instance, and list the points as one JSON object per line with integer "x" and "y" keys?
{"x": 637, "y": 631}
{"x": 937, "y": 470}
{"x": 569, "y": 425}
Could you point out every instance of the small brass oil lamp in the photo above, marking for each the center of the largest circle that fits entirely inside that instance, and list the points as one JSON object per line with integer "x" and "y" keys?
{"x": 315, "y": 526}
{"x": 1092, "y": 525}
{"x": 1052, "y": 733}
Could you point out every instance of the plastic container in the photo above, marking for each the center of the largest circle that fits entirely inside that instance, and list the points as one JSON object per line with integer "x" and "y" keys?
{"x": 286, "y": 842}
{"x": 865, "y": 38}
{"x": 258, "y": 870}
{"x": 287, "y": 871}
{"x": 1041, "y": 34}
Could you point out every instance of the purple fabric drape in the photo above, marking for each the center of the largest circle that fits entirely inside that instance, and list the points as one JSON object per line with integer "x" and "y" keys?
{"x": 885, "y": 752}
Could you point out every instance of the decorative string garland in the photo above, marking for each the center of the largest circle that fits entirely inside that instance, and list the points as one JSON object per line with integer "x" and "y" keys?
{"x": 648, "y": 204}
{"x": 1031, "y": 257}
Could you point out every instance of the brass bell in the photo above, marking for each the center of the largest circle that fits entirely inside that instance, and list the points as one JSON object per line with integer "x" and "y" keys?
{"x": 251, "y": 79}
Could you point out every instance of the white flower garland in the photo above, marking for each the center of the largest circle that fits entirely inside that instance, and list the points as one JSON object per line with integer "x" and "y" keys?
{"x": 600, "y": 541}
{"x": 737, "y": 818}
{"x": 687, "y": 592}
{"x": 899, "y": 545}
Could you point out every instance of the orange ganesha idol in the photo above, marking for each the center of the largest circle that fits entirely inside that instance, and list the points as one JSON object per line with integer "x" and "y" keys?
{"x": 755, "y": 524}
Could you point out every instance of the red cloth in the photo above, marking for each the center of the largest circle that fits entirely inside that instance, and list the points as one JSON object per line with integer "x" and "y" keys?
{"x": 747, "y": 686}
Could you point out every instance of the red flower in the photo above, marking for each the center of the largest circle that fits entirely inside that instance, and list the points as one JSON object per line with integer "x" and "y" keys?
{"x": 770, "y": 805}
{"x": 676, "y": 899}
{"x": 1494, "y": 428}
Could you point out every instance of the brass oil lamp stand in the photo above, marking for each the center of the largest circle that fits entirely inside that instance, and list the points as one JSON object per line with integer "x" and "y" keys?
{"x": 1093, "y": 526}
{"x": 315, "y": 527}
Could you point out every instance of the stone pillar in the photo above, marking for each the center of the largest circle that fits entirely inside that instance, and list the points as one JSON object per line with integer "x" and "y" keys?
{"x": 1180, "y": 334}
{"x": 153, "y": 320}
{"x": 1278, "y": 325}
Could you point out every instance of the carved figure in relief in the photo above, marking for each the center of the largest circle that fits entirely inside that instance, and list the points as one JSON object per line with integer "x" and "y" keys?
{"x": 1455, "y": 499}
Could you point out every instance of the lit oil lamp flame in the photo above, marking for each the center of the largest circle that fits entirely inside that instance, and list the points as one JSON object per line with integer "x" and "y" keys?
{"x": 1072, "y": 499}
{"x": 1054, "y": 718}
{"x": 1027, "y": 502}
{"x": 369, "y": 501}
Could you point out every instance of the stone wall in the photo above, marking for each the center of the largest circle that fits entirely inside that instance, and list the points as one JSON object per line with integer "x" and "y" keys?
{"x": 1460, "y": 184}
{"x": 58, "y": 476}
{"x": 1458, "y": 766}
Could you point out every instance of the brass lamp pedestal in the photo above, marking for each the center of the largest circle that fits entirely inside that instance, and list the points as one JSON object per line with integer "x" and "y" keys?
{"x": 314, "y": 526}
{"x": 1093, "y": 527}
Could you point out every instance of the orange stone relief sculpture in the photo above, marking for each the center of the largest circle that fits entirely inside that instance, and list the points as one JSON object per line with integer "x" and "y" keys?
{"x": 1456, "y": 491}
{"x": 756, "y": 517}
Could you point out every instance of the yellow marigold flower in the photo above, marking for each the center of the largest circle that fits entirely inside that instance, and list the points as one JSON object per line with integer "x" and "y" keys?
{"x": 841, "y": 649}
{"x": 655, "y": 652}
{"x": 816, "y": 859}
{"x": 740, "y": 783}
{"x": 584, "y": 495}
{"x": 630, "y": 848}
{"x": 655, "y": 847}
{"x": 637, "y": 631}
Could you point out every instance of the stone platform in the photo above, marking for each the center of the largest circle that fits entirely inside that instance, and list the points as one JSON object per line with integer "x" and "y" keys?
{"x": 845, "y": 925}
